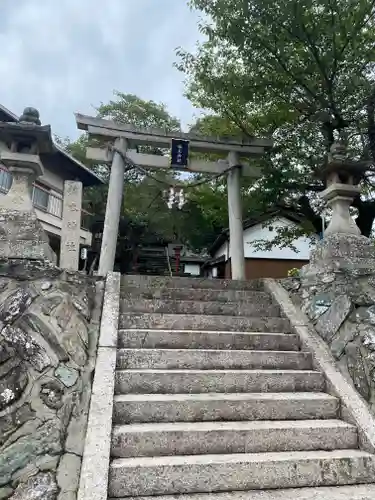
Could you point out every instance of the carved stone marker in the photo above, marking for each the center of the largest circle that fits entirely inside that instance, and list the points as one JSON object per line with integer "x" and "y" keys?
{"x": 21, "y": 234}
{"x": 71, "y": 226}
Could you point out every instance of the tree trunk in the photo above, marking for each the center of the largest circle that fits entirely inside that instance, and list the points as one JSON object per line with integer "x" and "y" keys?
{"x": 307, "y": 210}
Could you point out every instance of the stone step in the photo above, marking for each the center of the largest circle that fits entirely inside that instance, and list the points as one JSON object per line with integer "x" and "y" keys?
{"x": 207, "y": 473}
{"x": 139, "y": 408}
{"x": 357, "y": 492}
{"x": 193, "y": 339}
{"x": 185, "y": 282}
{"x": 211, "y": 359}
{"x": 137, "y": 305}
{"x": 202, "y": 322}
{"x": 202, "y": 381}
{"x": 182, "y": 438}
{"x": 198, "y": 294}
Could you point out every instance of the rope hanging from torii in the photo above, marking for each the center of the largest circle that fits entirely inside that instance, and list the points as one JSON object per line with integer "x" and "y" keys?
{"x": 172, "y": 184}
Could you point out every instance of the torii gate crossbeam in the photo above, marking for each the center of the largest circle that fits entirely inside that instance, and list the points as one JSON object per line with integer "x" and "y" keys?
{"x": 126, "y": 137}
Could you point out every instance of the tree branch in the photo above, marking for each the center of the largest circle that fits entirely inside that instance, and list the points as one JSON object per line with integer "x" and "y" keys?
{"x": 356, "y": 28}
{"x": 309, "y": 213}
{"x": 282, "y": 64}
{"x": 313, "y": 50}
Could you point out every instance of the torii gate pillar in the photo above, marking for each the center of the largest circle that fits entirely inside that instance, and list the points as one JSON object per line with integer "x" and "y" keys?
{"x": 236, "y": 243}
{"x": 113, "y": 210}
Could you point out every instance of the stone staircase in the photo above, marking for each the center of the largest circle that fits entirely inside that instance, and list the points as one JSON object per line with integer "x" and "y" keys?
{"x": 214, "y": 397}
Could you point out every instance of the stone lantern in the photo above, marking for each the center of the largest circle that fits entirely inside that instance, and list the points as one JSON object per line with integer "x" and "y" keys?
{"x": 343, "y": 248}
{"x": 342, "y": 177}
{"x": 21, "y": 233}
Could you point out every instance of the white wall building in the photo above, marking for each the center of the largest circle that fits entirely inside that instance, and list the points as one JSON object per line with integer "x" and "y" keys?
{"x": 273, "y": 263}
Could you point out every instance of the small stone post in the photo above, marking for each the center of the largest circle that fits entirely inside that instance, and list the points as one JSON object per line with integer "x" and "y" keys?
{"x": 71, "y": 225}
{"x": 21, "y": 233}
{"x": 113, "y": 210}
{"x": 236, "y": 243}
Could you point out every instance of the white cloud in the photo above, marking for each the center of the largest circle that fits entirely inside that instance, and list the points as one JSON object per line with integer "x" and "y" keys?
{"x": 69, "y": 55}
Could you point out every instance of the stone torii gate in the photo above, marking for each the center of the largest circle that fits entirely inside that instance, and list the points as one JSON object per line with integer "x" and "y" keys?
{"x": 125, "y": 138}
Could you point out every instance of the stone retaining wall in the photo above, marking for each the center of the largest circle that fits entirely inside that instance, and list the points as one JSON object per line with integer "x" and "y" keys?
{"x": 341, "y": 306}
{"x": 49, "y": 326}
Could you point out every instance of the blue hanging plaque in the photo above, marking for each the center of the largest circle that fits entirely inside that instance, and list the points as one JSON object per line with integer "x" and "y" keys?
{"x": 180, "y": 153}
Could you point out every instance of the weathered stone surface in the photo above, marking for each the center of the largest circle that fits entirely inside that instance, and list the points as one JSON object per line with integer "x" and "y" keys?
{"x": 83, "y": 306}
{"x": 138, "y": 305}
{"x": 339, "y": 251}
{"x": 46, "y": 285}
{"x": 67, "y": 495}
{"x": 46, "y": 440}
{"x": 329, "y": 323}
{"x": 12, "y": 421}
{"x": 292, "y": 284}
{"x": 5, "y": 493}
{"x": 12, "y": 361}
{"x": 347, "y": 332}
{"x": 78, "y": 326}
{"x": 4, "y": 282}
{"x": 210, "y": 407}
{"x": 50, "y": 304}
{"x": 357, "y": 370}
{"x": 366, "y": 315}
{"x": 24, "y": 474}
{"x": 369, "y": 340}
{"x": 26, "y": 270}
{"x": 197, "y": 474}
{"x": 46, "y": 359}
{"x": 160, "y": 282}
{"x": 76, "y": 434}
{"x": 68, "y": 472}
{"x": 16, "y": 304}
{"x": 68, "y": 376}
{"x": 328, "y": 278}
{"x": 26, "y": 347}
{"x": 39, "y": 487}
{"x": 63, "y": 314}
{"x": 52, "y": 394}
{"x": 5, "y": 352}
{"x": 75, "y": 348}
{"x": 76, "y": 429}
{"x": 351, "y": 334}
{"x": 12, "y": 386}
{"x": 22, "y": 236}
{"x": 319, "y": 305}
{"x": 71, "y": 225}
{"x": 35, "y": 324}
{"x": 201, "y": 322}
{"x": 47, "y": 463}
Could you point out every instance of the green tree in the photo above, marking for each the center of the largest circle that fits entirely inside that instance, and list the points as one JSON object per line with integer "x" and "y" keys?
{"x": 130, "y": 109}
{"x": 299, "y": 70}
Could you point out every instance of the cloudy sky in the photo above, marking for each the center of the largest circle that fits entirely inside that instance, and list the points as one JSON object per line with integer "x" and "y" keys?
{"x": 66, "y": 56}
